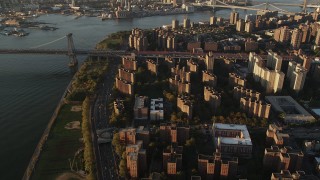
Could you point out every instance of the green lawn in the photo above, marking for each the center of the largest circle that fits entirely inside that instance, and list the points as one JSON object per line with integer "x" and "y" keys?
{"x": 60, "y": 146}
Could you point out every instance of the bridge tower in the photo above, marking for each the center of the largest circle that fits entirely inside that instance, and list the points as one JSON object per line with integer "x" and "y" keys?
{"x": 267, "y": 6}
{"x": 71, "y": 52}
{"x": 213, "y": 3}
{"x": 304, "y": 8}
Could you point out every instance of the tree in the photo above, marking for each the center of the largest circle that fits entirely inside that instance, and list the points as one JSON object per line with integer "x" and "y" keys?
{"x": 116, "y": 139}
{"x": 264, "y": 122}
{"x": 174, "y": 117}
{"x": 123, "y": 171}
{"x": 86, "y": 133}
{"x": 119, "y": 148}
{"x": 194, "y": 172}
{"x": 190, "y": 142}
{"x": 282, "y": 115}
{"x": 180, "y": 175}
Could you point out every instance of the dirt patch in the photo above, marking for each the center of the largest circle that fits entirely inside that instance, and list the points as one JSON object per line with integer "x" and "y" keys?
{"x": 70, "y": 175}
{"x": 73, "y": 125}
{"x": 76, "y": 108}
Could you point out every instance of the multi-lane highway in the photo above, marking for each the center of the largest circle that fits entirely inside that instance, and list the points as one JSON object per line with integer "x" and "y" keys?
{"x": 107, "y": 168}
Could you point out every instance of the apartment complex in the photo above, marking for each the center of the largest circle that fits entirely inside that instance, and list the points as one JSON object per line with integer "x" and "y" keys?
{"x": 210, "y": 46}
{"x": 236, "y": 80}
{"x": 174, "y": 133}
{"x": 249, "y": 27}
{"x": 182, "y": 73}
{"x": 282, "y": 34}
{"x": 240, "y": 25}
{"x": 274, "y": 136}
{"x": 212, "y": 97}
{"x": 209, "y": 79}
{"x": 152, "y": 66}
{"x": 172, "y": 160}
{"x": 240, "y": 92}
{"x": 124, "y": 87}
{"x": 232, "y": 139}
{"x": 185, "y": 105}
{"x": 132, "y": 135}
{"x": 193, "y": 45}
{"x": 136, "y": 140}
{"x": 126, "y": 75}
{"x": 251, "y": 45}
{"x": 175, "y": 24}
{"x": 213, "y": 20}
{"x": 217, "y": 166}
{"x": 277, "y": 159}
{"x": 269, "y": 76}
{"x": 179, "y": 84}
{"x": 285, "y": 174}
{"x": 254, "y": 107}
{"x": 209, "y": 61}
{"x": 296, "y": 39}
{"x": 138, "y": 40}
{"x": 129, "y": 63}
{"x": 274, "y": 61}
{"x": 192, "y": 66}
{"x": 186, "y": 23}
{"x": 180, "y": 79}
{"x": 234, "y": 17}
{"x": 296, "y": 75}
{"x": 141, "y": 108}
{"x": 136, "y": 159}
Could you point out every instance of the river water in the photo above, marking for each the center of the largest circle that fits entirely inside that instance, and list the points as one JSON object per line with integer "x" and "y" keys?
{"x": 31, "y": 85}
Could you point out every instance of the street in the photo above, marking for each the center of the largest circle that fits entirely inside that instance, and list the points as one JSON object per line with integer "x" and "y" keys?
{"x": 106, "y": 165}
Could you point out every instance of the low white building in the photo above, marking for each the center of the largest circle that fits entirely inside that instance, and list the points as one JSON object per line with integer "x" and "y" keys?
{"x": 232, "y": 139}
{"x": 156, "y": 109}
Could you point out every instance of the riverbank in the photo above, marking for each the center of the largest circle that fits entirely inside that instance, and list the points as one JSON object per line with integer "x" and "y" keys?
{"x": 36, "y": 155}
{"x": 63, "y": 147}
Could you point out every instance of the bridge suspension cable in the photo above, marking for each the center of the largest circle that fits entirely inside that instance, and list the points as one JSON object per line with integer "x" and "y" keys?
{"x": 263, "y": 4}
{"x": 278, "y": 8}
{"x": 35, "y": 47}
{"x": 223, "y": 3}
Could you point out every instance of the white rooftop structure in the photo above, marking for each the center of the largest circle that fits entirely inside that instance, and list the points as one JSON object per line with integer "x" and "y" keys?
{"x": 156, "y": 109}
{"x": 243, "y": 139}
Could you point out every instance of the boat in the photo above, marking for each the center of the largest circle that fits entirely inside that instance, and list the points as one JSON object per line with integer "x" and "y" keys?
{"x": 19, "y": 32}
{"x": 47, "y": 28}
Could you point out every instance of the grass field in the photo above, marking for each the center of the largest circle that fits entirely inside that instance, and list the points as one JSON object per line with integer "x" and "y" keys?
{"x": 60, "y": 146}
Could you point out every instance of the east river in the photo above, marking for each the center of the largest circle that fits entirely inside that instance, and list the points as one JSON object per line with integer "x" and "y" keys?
{"x": 31, "y": 85}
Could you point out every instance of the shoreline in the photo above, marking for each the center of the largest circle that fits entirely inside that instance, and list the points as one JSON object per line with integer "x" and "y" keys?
{"x": 35, "y": 159}
{"x": 37, "y": 152}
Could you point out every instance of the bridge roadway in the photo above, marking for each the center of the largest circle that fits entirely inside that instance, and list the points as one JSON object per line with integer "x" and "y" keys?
{"x": 142, "y": 54}
{"x": 188, "y": 55}
{"x": 64, "y": 52}
{"x": 253, "y": 8}
{"x": 289, "y": 4}
{"x": 254, "y": 5}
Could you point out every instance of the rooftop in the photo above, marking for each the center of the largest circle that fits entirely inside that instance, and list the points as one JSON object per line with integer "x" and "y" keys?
{"x": 292, "y": 109}
{"x": 156, "y": 104}
{"x": 245, "y": 139}
{"x": 239, "y": 141}
{"x": 140, "y": 102}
